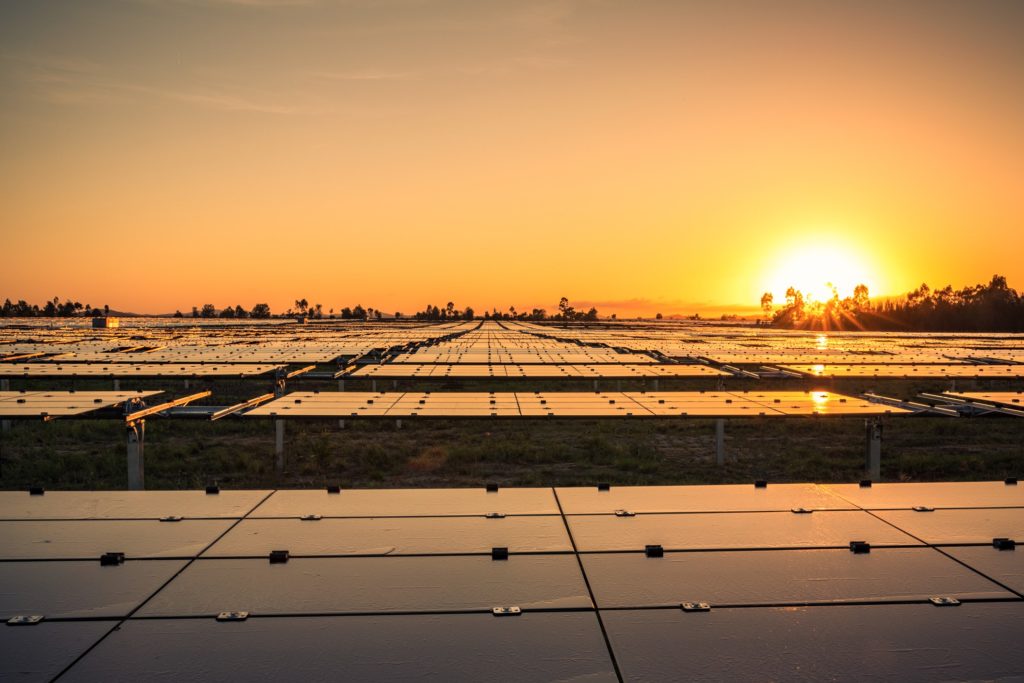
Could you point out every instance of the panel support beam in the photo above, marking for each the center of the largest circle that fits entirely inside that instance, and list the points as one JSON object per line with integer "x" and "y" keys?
{"x": 136, "y": 433}
{"x": 279, "y": 445}
{"x": 873, "y": 447}
{"x": 720, "y": 441}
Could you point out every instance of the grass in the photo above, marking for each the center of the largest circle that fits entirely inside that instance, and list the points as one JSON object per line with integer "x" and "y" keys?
{"x": 90, "y": 454}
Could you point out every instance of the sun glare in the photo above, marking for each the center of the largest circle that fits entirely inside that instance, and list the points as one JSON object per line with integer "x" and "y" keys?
{"x": 817, "y": 270}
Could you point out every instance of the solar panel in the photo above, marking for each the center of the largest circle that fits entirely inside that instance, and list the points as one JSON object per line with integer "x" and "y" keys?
{"x": 568, "y": 404}
{"x": 771, "y": 577}
{"x": 409, "y": 502}
{"x": 127, "y": 504}
{"x": 979, "y": 494}
{"x": 450, "y": 647}
{"x": 945, "y": 526}
{"x": 1004, "y": 566}
{"x": 394, "y": 536}
{"x": 128, "y": 370}
{"x": 748, "y": 530}
{"x": 907, "y": 371}
{"x": 333, "y": 585}
{"x": 80, "y": 588}
{"x": 88, "y": 539}
{"x": 487, "y": 583}
{"x": 727, "y": 498}
{"x": 918, "y": 642}
{"x": 52, "y": 404}
{"x": 42, "y": 651}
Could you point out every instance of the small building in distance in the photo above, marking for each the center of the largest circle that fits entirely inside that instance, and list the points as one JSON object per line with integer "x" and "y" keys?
{"x": 105, "y": 322}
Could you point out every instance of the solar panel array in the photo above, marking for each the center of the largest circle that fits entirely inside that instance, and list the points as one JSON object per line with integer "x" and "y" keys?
{"x": 307, "y": 404}
{"x": 908, "y": 371}
{"x": 533, "y": 371}
{"x": 741, "y": 582}
{"x": 127, "y": 370}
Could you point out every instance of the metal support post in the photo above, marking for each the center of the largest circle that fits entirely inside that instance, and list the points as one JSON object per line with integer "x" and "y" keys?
{"x": 341, "y": 385}
{"x": 5, "y": 385}
{"x": 373, "y": 385}
{"x": 279, "y": 445}
{"x": 117, "y": 384}
{"x": 654, "y": 382}
{"x": 341, "y": 424}
{"x": 873, "y": 434}
{"x": 720, "y": 441}
{"x": 136, "y": 455}
{"x": 398, "y": 423}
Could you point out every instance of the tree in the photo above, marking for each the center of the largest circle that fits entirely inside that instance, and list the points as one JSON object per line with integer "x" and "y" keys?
{"x": 209, "y": 311}
{"x": 195, "y": 312}
{"x": 468, "y": 313}
{"x": 227, "y": 312}
{"x": 260, "y": 311}
{"x": 658, "y": 316}
{"x": 177, "y": 314}
{"x": 359, "y": 312}
{"x": 767, "y": 303}
{"x": 241, "y": 312}
{"x": 567, "y": 311}
{"x": 301, "y": 306}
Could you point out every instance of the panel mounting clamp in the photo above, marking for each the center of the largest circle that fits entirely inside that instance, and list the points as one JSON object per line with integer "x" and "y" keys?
{"x": 111, "y": 559}
{"x": 232, "y": 616}
{"x": 944, "y": 602}
{"x": 510, "y": 611}
{"x": 1004, "y": 543}
{"x": 695, "y": 607}
{"x": 25, "y": 620}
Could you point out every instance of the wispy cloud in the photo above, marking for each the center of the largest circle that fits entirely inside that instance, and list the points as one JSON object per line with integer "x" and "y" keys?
{"x": 69, "y": 81}
{"x": 367, "y": 75}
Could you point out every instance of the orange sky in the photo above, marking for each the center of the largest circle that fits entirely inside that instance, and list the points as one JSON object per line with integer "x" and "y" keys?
{"x": 645, "y": 156}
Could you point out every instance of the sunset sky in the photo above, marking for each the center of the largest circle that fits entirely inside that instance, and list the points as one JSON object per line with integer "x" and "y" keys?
{"x": 639, "y": 156}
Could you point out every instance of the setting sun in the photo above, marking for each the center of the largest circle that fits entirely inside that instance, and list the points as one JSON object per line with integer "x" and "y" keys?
{"x": 817, "y": 269}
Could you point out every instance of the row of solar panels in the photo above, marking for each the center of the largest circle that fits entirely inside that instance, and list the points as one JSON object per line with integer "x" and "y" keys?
{"x": 791, "y": 581}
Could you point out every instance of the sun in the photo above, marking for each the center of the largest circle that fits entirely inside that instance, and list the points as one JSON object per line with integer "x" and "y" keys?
{"x": 817, "y": 270}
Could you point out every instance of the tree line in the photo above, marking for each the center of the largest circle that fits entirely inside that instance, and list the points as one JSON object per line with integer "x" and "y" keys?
{"x": 51, "y": 309}
{"x": 989, "y": 307}
{"x": 304, "y": 309}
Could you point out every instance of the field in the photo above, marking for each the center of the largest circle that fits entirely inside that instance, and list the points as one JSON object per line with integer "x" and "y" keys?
{"x": 240, "y": 452}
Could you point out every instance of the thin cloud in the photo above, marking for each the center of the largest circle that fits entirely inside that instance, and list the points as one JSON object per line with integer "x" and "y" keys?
{"x": 370, "y": 75}
{"x": 69, "y": 81}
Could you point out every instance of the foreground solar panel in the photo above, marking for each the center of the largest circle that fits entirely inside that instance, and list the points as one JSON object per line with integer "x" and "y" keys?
{"x": 918, "y": 642}
{"x": 451, "y": 647}
{"x": 755, "y": 581}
